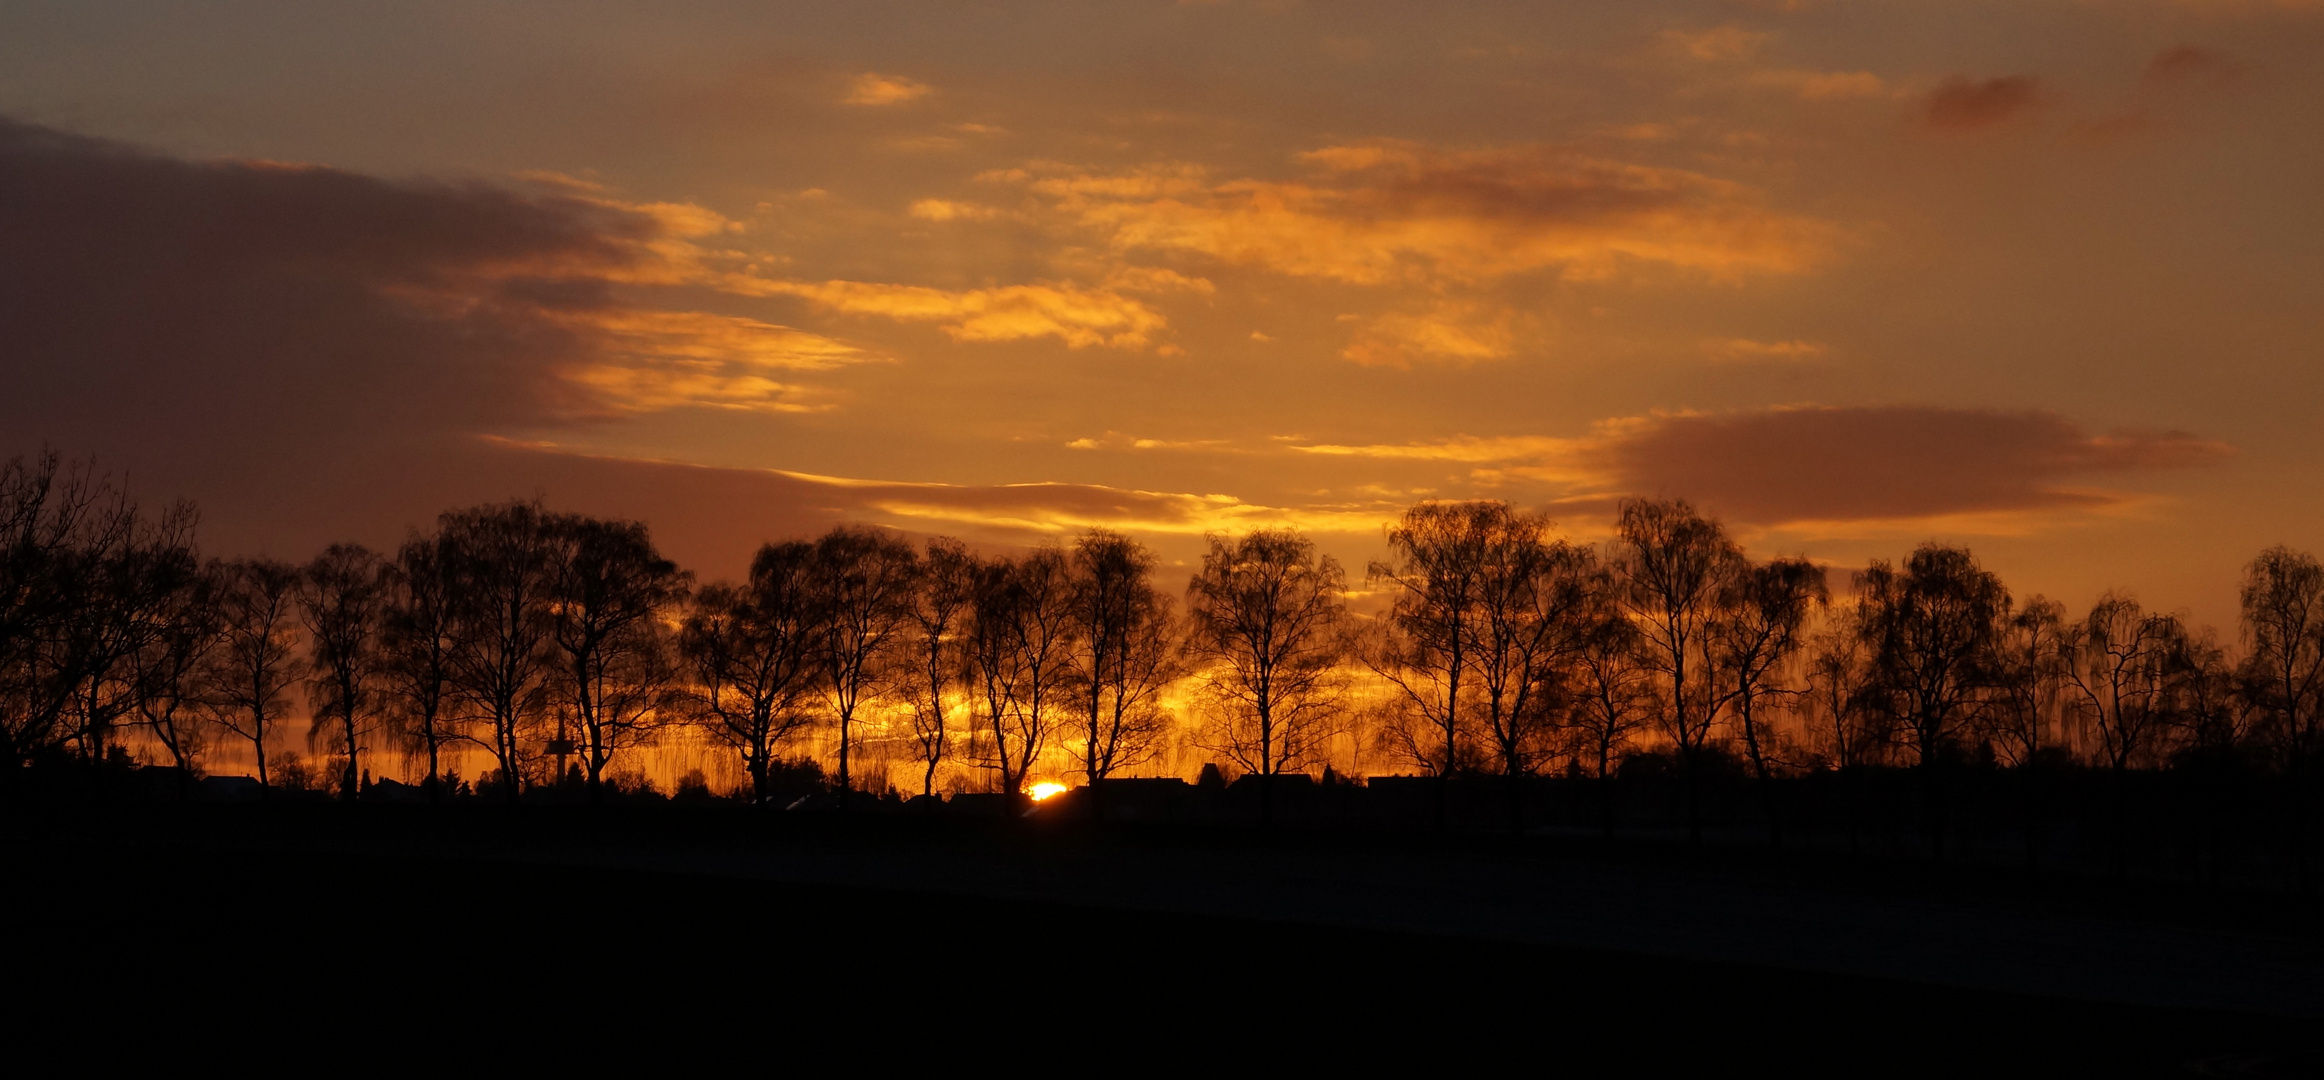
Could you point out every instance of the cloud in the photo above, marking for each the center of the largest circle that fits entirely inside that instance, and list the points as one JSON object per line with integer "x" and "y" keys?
{"x": 145, "y": 294}
{"x": 1114, "y": 440}
{"x": 1449, "y": 332}
{"x": 945, "y": 210}
{"x": 2182, "y": 65}
{"x": 1745, "y": 350}
{"x": 656, "y": 360}
{"x": 1717, "y": 43}
{"x": 1854, "y": 464}
{"x": 1823, "y": 464}
{"x": 719, "y": 505}
{"x": 1076, "y": 315}
{"x": 311, "y": 353}
{"x": 872, "y": 88}
{"x": 1395, "y": 212}
{"x": 1963, "y": 104}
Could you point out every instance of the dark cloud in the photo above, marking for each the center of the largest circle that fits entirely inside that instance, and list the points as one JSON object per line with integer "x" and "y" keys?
{"x": 1847, "y": 464}
{"x": 2182, "y": 65}
{"x": 1963, "y": 104}
{"x": 170, "y": 299}
{"x": 303, "y": 349}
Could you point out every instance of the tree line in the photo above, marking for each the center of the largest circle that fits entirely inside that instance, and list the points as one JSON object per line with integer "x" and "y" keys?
{"x": 558, "y": 643}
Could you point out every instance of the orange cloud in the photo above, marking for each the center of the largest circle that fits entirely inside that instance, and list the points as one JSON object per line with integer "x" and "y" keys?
{"x": 946, "y": 210}
{"x": 1451, "y": 332}
{"x": 872, "y": 88}
{"x": 1717, "y": 43}
{"x": 1046, "y": 509}
{"x": 1077, "y": 316}
{"x": 1385, "y": 212}
{"x": 1962, "y": 104}
{"x": 1745, "y": 350}
{"x": 654, "y": 360}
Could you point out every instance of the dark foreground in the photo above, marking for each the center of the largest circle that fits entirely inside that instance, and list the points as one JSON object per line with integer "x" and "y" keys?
{"x": 256, "y": 928}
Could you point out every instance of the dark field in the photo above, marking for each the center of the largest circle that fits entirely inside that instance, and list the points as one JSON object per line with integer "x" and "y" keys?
{"x": 939, "y": 943}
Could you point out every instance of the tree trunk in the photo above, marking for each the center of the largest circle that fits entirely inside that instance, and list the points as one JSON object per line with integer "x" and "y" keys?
{"x": 845, "y": 787}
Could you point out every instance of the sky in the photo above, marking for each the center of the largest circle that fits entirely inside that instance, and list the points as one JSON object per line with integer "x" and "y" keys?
{"x": 2036, "y": 277}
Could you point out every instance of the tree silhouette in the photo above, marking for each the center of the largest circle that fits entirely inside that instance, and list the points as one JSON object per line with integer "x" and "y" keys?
{"x": 1266, "y": 617}
{"x": 1614, "y": 694}
{"x": 2120, "y": 664}
{"x": 58, "y": 524}
{"x": 863, "y": 581}
{"x": 1436, "y": 567}
{"x": 1852, "y": 728}
{"x": 258, "y": 660}
{"x": 1538, "y": 601}
{"x": 611, "y": 591}
{"x": 1676, "y": 566}
{"x": 169, "y": 671}
{"x": 2029, "y": 674}
{"x": 419, "y": 642}
{"x": 2283, "y": 621}
{"x": 342, "y": 594}
{"x": 1933, "y": 630}
{"x": 1020, "y": 652}
{"x": 940, "y": 609}
{"x": 1766, "y": 612}
{"x": 500, "y": 558}
{"x": 1125, "y": 653}
{"x": 755, "y": 653}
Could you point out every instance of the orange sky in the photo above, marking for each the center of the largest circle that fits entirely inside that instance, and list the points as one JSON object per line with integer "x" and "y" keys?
{"x": 2038, "y": 277}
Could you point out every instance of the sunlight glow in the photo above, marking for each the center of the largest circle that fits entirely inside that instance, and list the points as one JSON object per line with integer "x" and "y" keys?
{"x": 1046, "y": 789}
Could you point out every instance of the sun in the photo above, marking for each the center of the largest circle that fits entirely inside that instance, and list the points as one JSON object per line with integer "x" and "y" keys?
{"x": 1046, "y": 789}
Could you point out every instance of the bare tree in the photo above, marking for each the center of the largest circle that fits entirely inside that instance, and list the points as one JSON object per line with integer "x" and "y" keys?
{"x": 864, "y": 581}
{"x": 1848, "y": 722}
{"x": 1124, "y": 655}
{"x": 940, "y": 609}
{"x": 1020, "y": 651}
{"x": 169, "y": 674}
{"x": 500, "y": 558}
{"x": 612, "y": 593}
{"x": 1613, "y": 699}
{"x": 257, "y": 661}
{"x": 1266, "y": 617}
{"x": 86, "y": 583}
{"x": 1538, "y": 602}
{"x": 420, "y": 628}
{"x": 1932, "y": 630}
{"x": 1437, "y": 569}
{"x": 755, "y": 653}
{"x": 2216, "y": 710}
{"x": 1767, "y": 610}
{"x": 2120, "y": 664}
{"x": 2283, "y": 620}
{"x": 2029, "y": 675}
{"x": 342, "y": 594}
{"x": 1676, "y": 566}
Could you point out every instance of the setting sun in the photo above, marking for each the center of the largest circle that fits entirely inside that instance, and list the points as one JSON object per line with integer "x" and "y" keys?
{"x": 1044, "y": 790}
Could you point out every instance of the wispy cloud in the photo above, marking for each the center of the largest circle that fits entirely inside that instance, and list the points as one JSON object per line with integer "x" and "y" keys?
{"x": 1394, "y": 212}
{"x": 1077, "y": 315}
{"x": 872, "y": 88}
